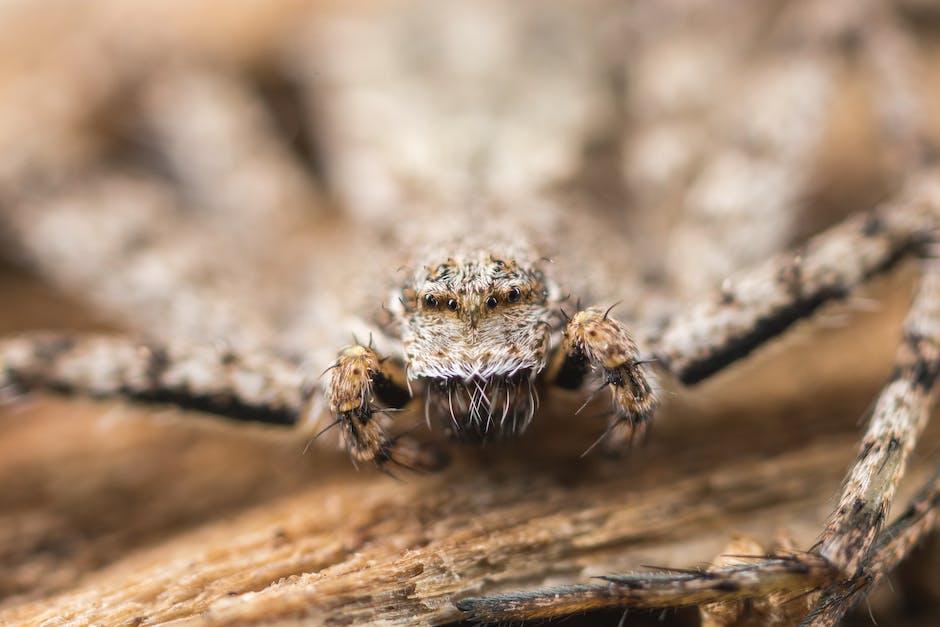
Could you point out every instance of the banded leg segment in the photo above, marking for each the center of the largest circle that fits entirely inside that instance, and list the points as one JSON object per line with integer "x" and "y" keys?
{"x": 256, "y": 386}
{"x": 895, "y": 542}
{"x": 359, "y": 378}
{"x": 899, "y": 417}
{"x": 593, "y": 341}
{"x": 755, "y": 306}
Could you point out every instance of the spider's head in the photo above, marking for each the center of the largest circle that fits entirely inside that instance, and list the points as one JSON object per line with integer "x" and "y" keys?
{"x": 476, "y": 330}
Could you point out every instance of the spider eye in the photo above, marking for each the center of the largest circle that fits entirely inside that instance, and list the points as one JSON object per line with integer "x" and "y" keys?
{"x": 452, "y": 304}
{"x": 430, "y": 300}
{"x": 491, "y": 302}
{"x": 514, "y": 294}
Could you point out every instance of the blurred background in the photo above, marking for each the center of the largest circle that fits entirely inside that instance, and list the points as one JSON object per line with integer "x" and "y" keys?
{"x": 251, "y": 172}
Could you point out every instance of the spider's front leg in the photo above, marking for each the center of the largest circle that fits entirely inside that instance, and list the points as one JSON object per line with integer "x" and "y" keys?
{"x": 594, "y": 341}
{"x": 359, "y": 380}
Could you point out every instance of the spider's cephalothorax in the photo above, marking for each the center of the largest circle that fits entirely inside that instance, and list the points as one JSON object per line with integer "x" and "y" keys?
{"x": 475, "y": 329}
{"x": 476, "y": 326}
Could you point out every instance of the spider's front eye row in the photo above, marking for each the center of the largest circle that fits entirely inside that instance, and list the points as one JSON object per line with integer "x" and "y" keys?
{"x": 492, "y": 301}
{"x": 512, "y": 296}
{"x": 431, "y": 302}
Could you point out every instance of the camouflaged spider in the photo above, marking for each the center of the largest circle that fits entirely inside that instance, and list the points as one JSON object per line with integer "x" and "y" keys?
{"x": 477, "y": 329}
{"x": 519, "y": 105}
{"x": 447, "y": 334}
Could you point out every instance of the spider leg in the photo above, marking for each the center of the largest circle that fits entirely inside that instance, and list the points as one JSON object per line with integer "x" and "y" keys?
{"x": 667, "y": 588}
{"x": 256, "y": 387}
{"x": 895, "y": 542}
{"x": 249, "y": 386}
{"x": 357, "y": 379}
{"x": 899, "y": 416}
{"x": 594, "y": 341}
{"x": 757, "y": 305}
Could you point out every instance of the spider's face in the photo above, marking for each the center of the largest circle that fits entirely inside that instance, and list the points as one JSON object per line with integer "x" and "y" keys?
{"x": 476, "y": 331}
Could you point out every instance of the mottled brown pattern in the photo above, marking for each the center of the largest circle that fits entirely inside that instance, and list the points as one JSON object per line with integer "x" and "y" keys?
{"x": 230, "y": 191}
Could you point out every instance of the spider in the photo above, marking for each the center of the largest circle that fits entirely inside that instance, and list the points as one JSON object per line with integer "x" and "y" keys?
{"x": 475, "y": 327}
{"x": 485, "y": 320}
